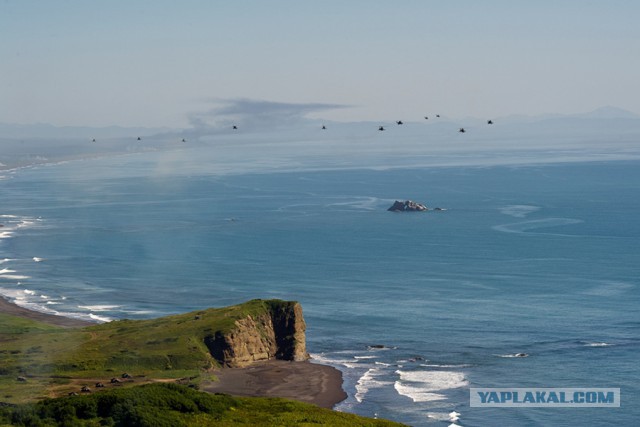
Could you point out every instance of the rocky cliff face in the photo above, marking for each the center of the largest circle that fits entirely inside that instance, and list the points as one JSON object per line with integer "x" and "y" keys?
{"x": 278, "y": 332}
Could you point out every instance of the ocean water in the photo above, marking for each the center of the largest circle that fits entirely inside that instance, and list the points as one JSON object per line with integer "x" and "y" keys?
{"x": 414, "y": 308}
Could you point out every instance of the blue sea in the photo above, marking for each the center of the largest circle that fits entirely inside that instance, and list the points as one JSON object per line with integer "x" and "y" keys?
{"x": 535, "y": 254}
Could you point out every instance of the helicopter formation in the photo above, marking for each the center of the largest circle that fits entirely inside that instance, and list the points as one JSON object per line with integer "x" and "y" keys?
{"x": 324, "y": 127}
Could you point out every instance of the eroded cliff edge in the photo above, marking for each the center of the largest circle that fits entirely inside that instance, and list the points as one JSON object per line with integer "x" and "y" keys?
{"x": 275, "y": 332}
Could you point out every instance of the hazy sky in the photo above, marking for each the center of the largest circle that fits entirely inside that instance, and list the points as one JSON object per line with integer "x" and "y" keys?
{"x": 157, "y": 63}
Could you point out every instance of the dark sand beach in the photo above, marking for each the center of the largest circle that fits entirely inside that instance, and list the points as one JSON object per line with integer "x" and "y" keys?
{"x": 302, "y": 381}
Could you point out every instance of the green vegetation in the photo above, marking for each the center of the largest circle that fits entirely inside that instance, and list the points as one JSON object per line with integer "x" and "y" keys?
{"x": 171, "y": 405}
{"x": 39, "y": 360}
{"x": 49, "y": 375}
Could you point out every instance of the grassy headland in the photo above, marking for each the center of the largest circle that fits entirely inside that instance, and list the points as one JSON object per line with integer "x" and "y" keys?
{"x": 139, "y": 372}
{"x": 39, "y": 360}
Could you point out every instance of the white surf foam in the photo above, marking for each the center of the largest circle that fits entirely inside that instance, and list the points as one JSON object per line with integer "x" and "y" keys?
{"x": 416, "y": 393}
{"x": 525, "y": 226}
{"x": 364, "y": 203}
{"x": 321, "y": 358}
{"x": 427, "y": 365}
{"x": 438, "y": 416}
{"x": 597, "y": 344}
{"x": 369, "y": 381}
{"x": 14, "y": 277}
{"x": 520, "y": 355}
{"x": 98, "y": 307}
{"x": 99, "y": 318}
{"x": 518, "y": 211}
{"x": 452, "y": 416}
{"x": 423, "y": 386}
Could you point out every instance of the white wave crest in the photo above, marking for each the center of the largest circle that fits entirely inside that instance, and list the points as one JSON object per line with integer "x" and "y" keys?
{"x": 438, "y": 416}
{"x": 416, "y": 393}
{"x": 325, "y": 360}
{"x": 513, "y": 355}
{"x": 98, "y": 307}
{"x": 14, "y": 277}
{"x": 100, "y": 318}
{"x": 367, "y": 382}
{"x": 428, "y": 365}
{"x": 422, "y": 386}
{"x": 441, "y": 416}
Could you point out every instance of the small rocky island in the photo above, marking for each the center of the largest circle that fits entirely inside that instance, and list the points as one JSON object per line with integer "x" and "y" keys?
{"x": 411, "y": 206}
{"x": 407, "y": 206}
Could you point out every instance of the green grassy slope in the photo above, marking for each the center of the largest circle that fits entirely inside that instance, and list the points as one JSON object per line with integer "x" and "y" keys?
{"x": 170, "y": 405}
{"x": 53, "y": 359}
{"x": 41, "y": 364}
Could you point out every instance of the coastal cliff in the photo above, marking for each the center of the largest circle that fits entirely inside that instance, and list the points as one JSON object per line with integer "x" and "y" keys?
{"x": 190, "y": 345}
{"x": 276, "y": 333}
{"x": 62, "y": 373}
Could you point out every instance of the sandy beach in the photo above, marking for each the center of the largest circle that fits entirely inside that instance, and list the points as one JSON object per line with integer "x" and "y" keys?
{"x": 302, "y": 381}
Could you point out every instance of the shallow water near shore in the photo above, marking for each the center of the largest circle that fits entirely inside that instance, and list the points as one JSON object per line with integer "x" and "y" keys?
{"x": 413, "y": 308}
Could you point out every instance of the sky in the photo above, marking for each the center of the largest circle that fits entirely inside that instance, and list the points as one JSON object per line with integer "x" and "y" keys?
{"x": 159, "y": 63}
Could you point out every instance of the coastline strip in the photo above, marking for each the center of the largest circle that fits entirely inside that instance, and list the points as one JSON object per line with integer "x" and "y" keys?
{"x": 8, "y": 307}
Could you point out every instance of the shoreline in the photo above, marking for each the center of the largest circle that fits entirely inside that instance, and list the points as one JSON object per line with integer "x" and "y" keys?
{"x": 302, "y": 381}
{"x": 13, "y": 309}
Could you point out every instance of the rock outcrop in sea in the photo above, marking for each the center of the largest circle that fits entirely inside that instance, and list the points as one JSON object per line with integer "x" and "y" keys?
{"x": 276, "y": 333}
{"x": 407, "y": 206}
